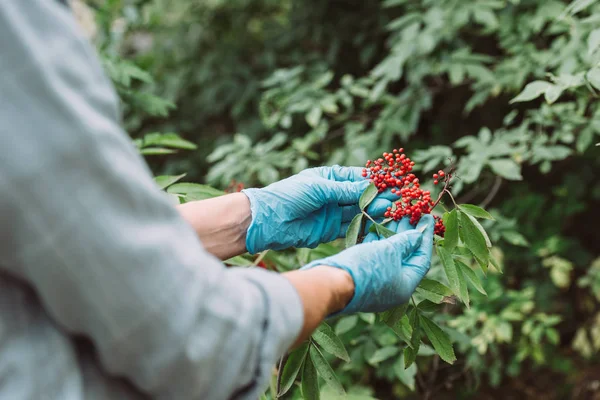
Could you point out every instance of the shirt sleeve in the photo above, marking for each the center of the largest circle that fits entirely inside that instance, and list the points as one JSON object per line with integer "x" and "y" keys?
{"x": 85, "y": 225}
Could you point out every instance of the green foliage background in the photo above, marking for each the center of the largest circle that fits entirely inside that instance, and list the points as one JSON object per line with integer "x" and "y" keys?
{"x": 263, "y": 89}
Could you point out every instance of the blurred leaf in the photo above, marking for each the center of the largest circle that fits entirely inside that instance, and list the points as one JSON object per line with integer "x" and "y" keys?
{"x": 383, "y": 354}
{"x": 164, "y": 181}
{"x": 292, "y": 368}
{"x": 439, "y": 339}
{"x": 310, "y": 381}
{"x": 507, "y": 169}
{"x": 325, "y": 371}
{"x": 195, "y": 191}
{"x": 531, "y": 91}
{"x": 346, "y": 324}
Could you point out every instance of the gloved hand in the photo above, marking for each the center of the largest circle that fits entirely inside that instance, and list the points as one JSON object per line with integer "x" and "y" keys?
{"x": 312, "y": 207}
{"x": 386, "y": 272}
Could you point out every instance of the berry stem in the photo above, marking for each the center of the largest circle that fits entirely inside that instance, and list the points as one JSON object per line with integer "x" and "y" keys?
{"x": 368, "y": 216}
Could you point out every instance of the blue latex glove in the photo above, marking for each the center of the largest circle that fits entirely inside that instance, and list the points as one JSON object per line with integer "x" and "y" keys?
{"x": 312, "y": 207}
{"x": 386, "y": 272}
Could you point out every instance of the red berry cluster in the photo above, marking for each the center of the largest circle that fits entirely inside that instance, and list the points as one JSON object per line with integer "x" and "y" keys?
{"x": 393, "y": 172}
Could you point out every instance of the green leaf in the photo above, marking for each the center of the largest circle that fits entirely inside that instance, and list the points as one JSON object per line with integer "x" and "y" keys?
{"x": 402, "y": 329}
{"x": 164, "y": 181}
{"x": 462, "y": 288}
{"x": 353, "y": 230}
{"x": 325, "y": 370}
{"x": 405, "y": 375}
{"x": 532, "y": 91}
{"x": 450, "y": 270}
{"x": 433, "y": 291}
{"x": 195, "y": 191}
{"x": 310, "y": 381}
{"x": 156, "y": 151}
{"x": 451, "y": 234}
{"x": 473, "y": 238}
{"x": 367, "y": 196}
{"x": 381, "y": 230}
{"x": 238, "y": 261}
{"x": 593, "y": 76}
{"x": 471, "y": 276}
{"x": 325, "y": 337}
{"x": 506, "y": 168}
{"x": 292, "y": 367}
{"x": 515, "y": 238}
{"x": 383, "y": 354}
{"x": 346, "y": 324}
{"x": 439, "y": 339}
{"x": 171, "y": 140}
{"x": 314, "y": 116}
{"x": 429, "y": 306}
{"x": 410, "y": 355}
{"x": 392, "y": 316}
{"x": 488, "y": 242}
{"x": 475, "y": 211}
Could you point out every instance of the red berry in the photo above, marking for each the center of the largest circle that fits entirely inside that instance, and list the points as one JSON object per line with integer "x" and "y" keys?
{"x": 436, "y": 182}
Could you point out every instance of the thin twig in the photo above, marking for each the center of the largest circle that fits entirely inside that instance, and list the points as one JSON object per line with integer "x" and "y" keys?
{"x": 493, "y": 192}
{"x": 368, "y": 216}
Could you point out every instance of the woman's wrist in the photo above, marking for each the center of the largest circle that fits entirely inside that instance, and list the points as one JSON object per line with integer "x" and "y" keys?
{"x": 221, "y": 223}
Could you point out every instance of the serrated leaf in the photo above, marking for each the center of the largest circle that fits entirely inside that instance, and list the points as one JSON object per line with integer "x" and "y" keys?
{"x": 392, "y": 316}
{"x": 325, "y": 337}
{"x": 402, "y": 329}
{"x": 475, "y": 211}
{"x": 473, "y": 238}
{"x": 450, "y": 270}
{"x": 462, "y": 288}
{"x": 383, "y": 354}
{"x": 506, "y": 168}
{"x": 164, "y": 181}
{"x": 325, "y": 371}
{"x": 471, "y": 276}
{"x": 353, "y": 230}
{"x": 488, "y": 242}
{"x": 367, "y": 196}
{"x": 451, "y": 233}
{"x": 410, "y": 355}
{"x": 292, "y": 368}
{"x": 433, "y": 290}
{"x": 439, "y": 339}
{"x": 429, "y": 306}
{"x": 346, "y": 324}
{"x": 531, "y": 91}
{"x": 310, "y": 381}
{"x": 195, "y": 191}
{"x": 381, "y": 230}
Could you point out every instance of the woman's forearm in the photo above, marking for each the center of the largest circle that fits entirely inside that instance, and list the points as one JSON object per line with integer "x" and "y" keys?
{"x": 221, "y": 223}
